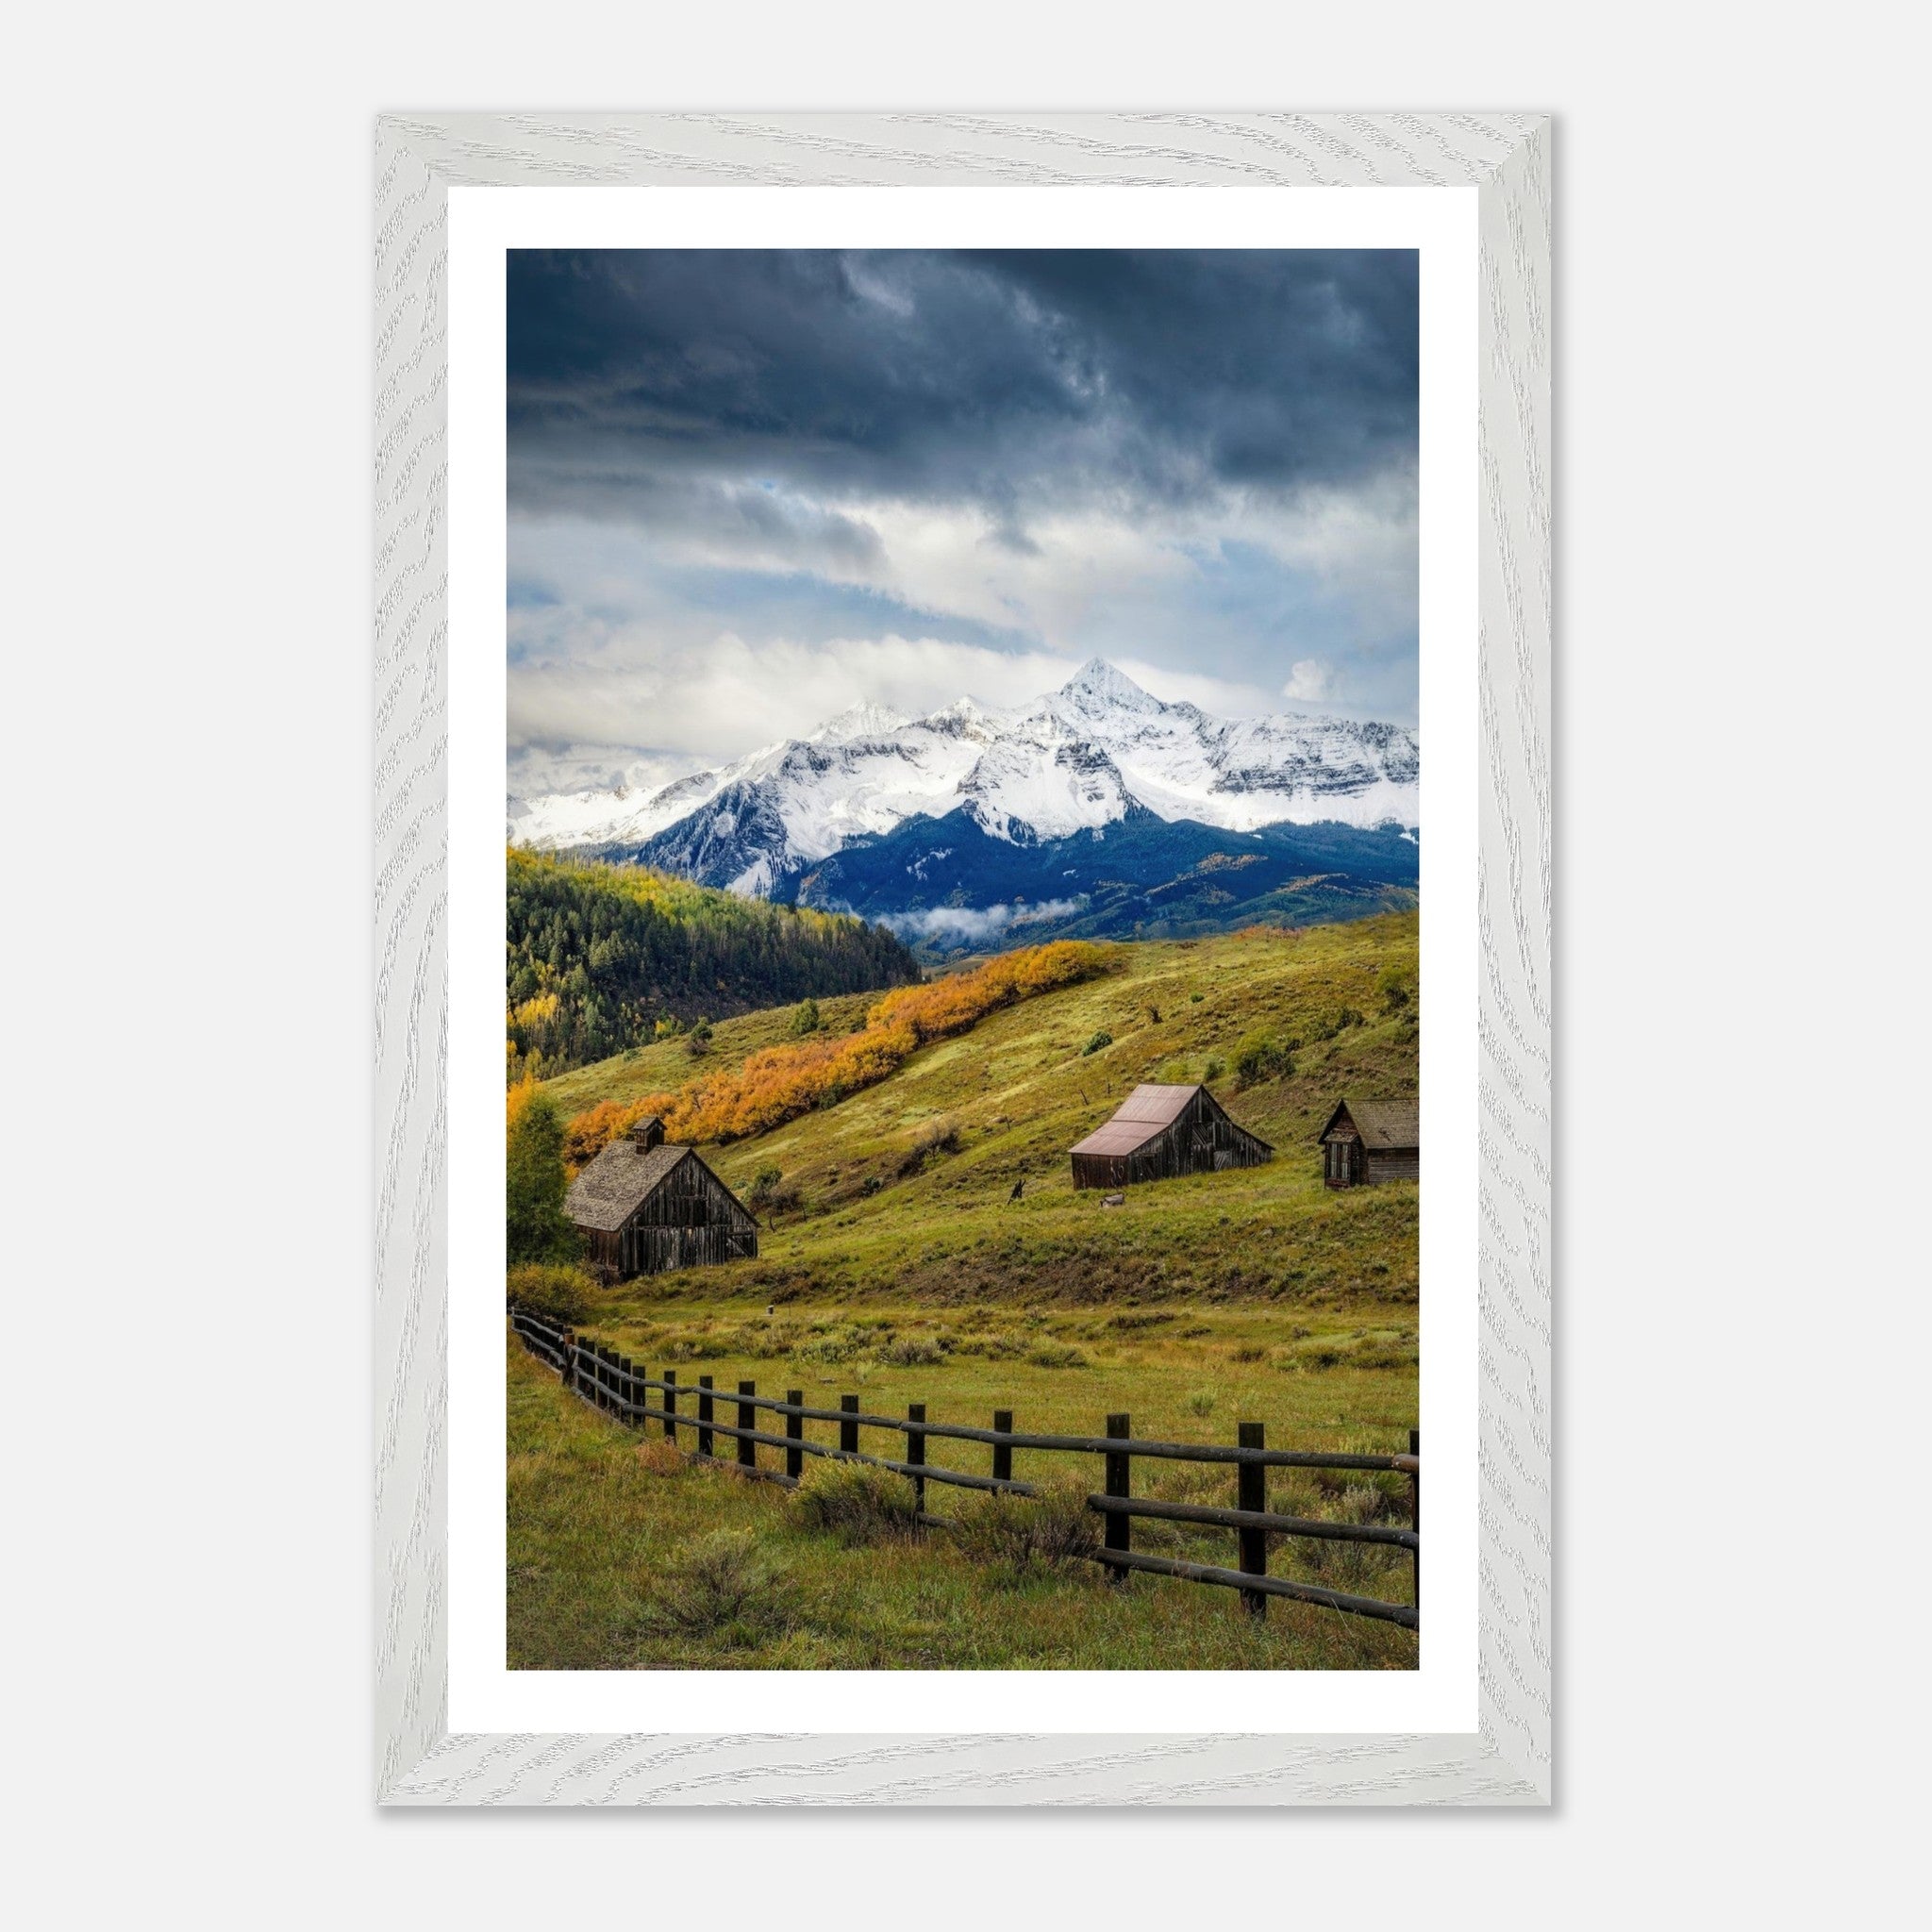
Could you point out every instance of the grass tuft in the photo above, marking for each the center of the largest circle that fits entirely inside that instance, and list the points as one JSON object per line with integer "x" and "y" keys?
{"x": 1052, "y": 1530}
{"x": 1057, "y": 1355}
{"x": 914, "y": 1351}
{"x": 857, "y": 1503}
{"x": 720, "y": 1584}
{"x": 660, "y": 1458}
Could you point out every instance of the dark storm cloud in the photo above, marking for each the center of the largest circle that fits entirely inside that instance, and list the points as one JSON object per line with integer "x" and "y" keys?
{"x": 749, "y": 488}
{"x": 1011, "y": 381}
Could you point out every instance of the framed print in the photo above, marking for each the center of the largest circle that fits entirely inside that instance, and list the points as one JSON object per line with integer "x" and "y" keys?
{"x": 962, "y": 780}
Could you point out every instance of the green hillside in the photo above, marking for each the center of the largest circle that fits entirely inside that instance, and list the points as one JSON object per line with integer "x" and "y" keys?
{"x": 600, "y": 957}
{"x": 902, "y": 1191}
{"x": 895, "y": 1265}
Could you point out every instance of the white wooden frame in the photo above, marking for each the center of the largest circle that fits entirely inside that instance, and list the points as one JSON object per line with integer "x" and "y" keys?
{"x": 418, "y": 158}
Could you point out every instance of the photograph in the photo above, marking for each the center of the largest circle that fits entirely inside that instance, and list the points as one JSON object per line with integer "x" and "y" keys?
{"x": 963, "y": 959}
{"x": 801, "y": 710}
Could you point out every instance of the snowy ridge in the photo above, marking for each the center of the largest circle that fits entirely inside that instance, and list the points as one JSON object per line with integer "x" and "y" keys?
{"x": 1079, "y": 758}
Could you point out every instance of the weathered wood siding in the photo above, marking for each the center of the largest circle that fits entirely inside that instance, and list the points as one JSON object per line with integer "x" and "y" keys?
{"x": 1393, "y": 1164}
{"x": 690, "y": 1219}
{"x": 1347, "y": 1161}
{"x": 1200, "y": 1140}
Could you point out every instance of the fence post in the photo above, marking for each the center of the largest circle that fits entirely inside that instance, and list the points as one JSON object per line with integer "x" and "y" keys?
{"x": 704, "y": 1415}
{"x": 670, "y": 1406}
{"x": 848, "y": 1429}
{"x": 1118, "y": 1530}
{"x": 915, "y": 1452}
{"x": 1415, "y": 1512}
{"x": 1003, "y": 1452}
{"x": 566, "y": 1359}
{"x": 794, "y": 1428}
{"x": 1251, "y": 1493}
{"x": 747, "y": 1419}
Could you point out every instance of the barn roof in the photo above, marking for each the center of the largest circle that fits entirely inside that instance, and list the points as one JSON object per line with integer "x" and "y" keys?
{"x": 1116, "y": 1137}
{"x": 1144, "y": 1115}
{"x": 617, "y": 1183}
{"x": 1382, "y": 1123}
{"x": 1159, "y": 1105}
{"x": 1147, "y": 1113}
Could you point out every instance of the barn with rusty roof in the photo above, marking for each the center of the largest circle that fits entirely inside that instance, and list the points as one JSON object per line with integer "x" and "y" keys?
{"x": 1369, "y": 1142}
{"x": 1158, "y": 1132}
{"x": 644, "y": 1208}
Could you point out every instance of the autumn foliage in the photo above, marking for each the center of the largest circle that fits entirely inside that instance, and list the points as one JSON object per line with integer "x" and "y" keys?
{"x": 591, "y": 1132}
{"x": 780, "y": 1083}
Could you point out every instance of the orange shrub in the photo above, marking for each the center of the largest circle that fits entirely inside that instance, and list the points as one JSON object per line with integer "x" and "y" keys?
{"x": 941, "y": 1006}
{"x": 588, "y": 1133}
{"x": 780, "y": 1083}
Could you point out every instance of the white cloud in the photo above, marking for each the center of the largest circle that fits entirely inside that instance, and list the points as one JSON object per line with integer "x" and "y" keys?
{"x": 707, "y": 628}
{"x": 535, "y": 771}
{"x": 1222, "y": 697}
{"x": 956, "y": 562}
{"x": 1311, "y": 682}
{"x": 707, "y": 700}
{"x": 970, "y": 924}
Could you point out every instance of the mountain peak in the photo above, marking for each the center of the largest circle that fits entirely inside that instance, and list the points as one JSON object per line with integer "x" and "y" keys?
{"x": 863, "y": 720}
{"x": 1098, "y": 681}
{"x": 1079, "y": 758}
{"x": 966, "y": 713}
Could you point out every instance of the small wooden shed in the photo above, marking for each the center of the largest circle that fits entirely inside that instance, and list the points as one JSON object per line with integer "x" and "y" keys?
{"x": 644, "y": 1208}
{"x": 1158, "y": 1132}
{"x": 1367, "y": 1141}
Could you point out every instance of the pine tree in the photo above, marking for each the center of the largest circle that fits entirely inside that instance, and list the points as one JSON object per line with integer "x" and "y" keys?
{"x": 535, "y": 1226}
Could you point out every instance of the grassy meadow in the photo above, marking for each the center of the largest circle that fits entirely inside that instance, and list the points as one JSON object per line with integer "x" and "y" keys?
{"x": 895, "y": 1264}
{"x": 615, "y": 1548}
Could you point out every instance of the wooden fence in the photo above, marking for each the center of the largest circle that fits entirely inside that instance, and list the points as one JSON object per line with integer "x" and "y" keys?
{"x": 623, "y": 1388}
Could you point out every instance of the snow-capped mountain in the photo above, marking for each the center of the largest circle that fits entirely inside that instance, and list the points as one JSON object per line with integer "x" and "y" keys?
{"x": 1088, "y": 755}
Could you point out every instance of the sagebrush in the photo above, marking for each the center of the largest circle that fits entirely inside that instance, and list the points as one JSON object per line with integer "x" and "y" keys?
{"x": 856, "y": 1503}
{"x": 1048, "y": 1530}
{"x": 722, "y": 1582}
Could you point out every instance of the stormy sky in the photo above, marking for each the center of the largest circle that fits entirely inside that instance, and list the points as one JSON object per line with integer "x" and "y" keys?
{"x": 750, "y": 487}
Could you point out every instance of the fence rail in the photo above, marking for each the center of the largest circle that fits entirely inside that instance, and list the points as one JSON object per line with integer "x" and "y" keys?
{"x": 624, "y": 1388}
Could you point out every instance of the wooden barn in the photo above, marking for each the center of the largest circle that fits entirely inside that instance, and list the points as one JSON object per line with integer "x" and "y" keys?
{"x": 1158, "y": 1132}
{"x": 644, "y": 1208}
{"x": 1367, "y": 1141}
